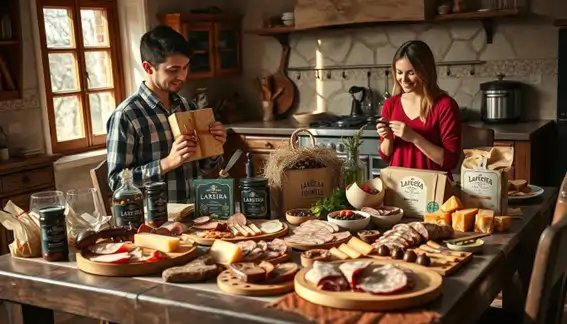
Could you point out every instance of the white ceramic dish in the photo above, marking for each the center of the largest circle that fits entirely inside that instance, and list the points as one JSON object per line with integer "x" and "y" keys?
{"x": 358, "y": 198}
{"x": 351, "y": 225}
{"x": 387, "y": 220}
{"x": 534, "y": 192}
{"x": 287, "y": 22}
{"x": 471, "y": 247}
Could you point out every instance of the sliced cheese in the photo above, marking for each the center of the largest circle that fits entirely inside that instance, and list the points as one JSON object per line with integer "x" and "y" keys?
{"x": 255, "y": 228}
{"x": 484, "y": 222}
{"x": 337, "y": 254}
{"x": 233, "y": 230}
{"x": 352, "y": 253}
{"x": 157, "y": 242}
{"x": 502, "y": 223}
{"x": 248, "y": 230}
{"x": 452, "y": 204}
{"x": 463, "y": 220}
{"x": 225, "y": 252}
{"x": 360, "y": 246}
{"x": 241, "y": 230}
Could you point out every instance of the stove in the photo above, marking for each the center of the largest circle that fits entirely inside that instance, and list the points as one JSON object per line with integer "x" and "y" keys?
{"x": 344, "y": 122}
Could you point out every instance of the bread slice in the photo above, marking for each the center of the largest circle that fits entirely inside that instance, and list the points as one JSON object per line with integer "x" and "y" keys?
{"x": 517, "y": 185}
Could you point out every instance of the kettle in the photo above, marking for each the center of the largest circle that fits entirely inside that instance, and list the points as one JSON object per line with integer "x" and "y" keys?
{"x": 358, "y": 94}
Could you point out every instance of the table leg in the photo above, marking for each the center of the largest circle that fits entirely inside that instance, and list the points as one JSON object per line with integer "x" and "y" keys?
{"x": 27, "y": 314}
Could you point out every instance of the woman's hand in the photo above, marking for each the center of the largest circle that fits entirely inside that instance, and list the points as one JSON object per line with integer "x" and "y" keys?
{"x": 384, "y": 130}
{"x": 403, "y": 131}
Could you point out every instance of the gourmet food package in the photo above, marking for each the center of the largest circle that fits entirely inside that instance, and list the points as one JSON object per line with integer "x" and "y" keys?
{"x": 27, "y": 242}
{"x": 484, "y": 178}
{"x": 417, "y": 192}
{"x": 196, "y": 123}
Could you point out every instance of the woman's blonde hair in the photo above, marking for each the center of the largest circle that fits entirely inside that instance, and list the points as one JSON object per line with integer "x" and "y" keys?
{"x": 421, "y": 58}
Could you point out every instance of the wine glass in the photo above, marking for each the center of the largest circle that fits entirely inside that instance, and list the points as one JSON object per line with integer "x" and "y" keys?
{"x": 46, "y": 200}
{"x": 84, "y": 209}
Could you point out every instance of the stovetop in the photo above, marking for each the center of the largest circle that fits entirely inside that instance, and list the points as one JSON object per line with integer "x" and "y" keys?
{"x": 344, "y": 122}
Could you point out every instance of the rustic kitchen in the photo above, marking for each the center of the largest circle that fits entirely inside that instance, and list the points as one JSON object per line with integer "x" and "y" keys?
{"x": 305, "y": 219}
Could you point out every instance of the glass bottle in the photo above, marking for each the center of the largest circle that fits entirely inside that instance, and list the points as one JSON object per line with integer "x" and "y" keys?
{"x": 353, "y": 168}
{"x": 128, "y": 202}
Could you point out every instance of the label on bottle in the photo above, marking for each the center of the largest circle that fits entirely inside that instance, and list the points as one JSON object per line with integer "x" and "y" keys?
{"x": 54, "y": 235}
{"x": 254, "y": 203}
{"x": 131, "y": 212}
{"x": 157, "y": 208}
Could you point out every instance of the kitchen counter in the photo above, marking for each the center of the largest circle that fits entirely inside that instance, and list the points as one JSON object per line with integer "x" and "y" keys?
{"x": 503, "y": 132}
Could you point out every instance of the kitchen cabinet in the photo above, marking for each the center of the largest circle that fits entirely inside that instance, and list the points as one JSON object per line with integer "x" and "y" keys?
{"x": 19, "y": 178}
{"x": 216, "y": 41}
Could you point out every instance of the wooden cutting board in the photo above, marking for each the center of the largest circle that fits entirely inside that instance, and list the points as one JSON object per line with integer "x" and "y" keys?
{"x": 185, "y": 254}
{"x": 262, "y": 237}
{"x": 286, "y": 100}
{"x": 232, "y": 285}
{"x": 427, "y": 288}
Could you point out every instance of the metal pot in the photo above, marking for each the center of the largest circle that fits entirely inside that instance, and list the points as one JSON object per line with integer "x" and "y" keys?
{"x": 501, "y": 101}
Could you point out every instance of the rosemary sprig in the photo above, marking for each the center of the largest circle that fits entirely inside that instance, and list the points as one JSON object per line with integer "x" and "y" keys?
{"x": 353, "y": 143}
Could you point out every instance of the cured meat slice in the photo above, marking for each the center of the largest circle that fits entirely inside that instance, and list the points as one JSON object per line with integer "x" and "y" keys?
{"x": 262, "y": 245}
{"x": 333, "y": 284}
{"x": 210, "y": 226}
{"x": 144, "y": 229}
{"x": 409, "y": 232}
{"x": 305, "y": 240}
{"x": 113, "y": 258}
{"x": 330, "y": 226}
{"x": 254, "y": 255}
{"x": 387, "y": 279}
{"x": 311, "y": 230}
{"x": 418, "y": 226}
{"x": 341, "y": 236}
{"x": 321, "y": 271}
{"x": 246, "y": 246}
{"x": 237, "y": 219}
{"x": 352, "y": 270}
{"x": 111, "y": 248}
{"x": 278, "y": 245}
{"x": 201, "y": 220}
{"x": 270, "y": 227}
{"x": 272, "y": 255}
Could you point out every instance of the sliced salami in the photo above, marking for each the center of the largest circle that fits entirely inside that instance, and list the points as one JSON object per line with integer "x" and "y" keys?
{"x": 175, "y": 228}
{"x": 418, "y": 226}
{"x": 353, "y": 270}
{"x": 111, "y": 248}
{"x": 333, "y": 284}
{"x": 387, "y": 279}
{"x": 113, "y": 258}
{"x": 201, "y": 220}
{"x": 321, "y": 271}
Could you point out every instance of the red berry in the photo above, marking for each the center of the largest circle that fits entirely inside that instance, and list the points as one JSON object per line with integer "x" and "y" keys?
{"x": 342, "y": 213}
{"x": 349, "y": 213}
{"x": 367, "y": 189}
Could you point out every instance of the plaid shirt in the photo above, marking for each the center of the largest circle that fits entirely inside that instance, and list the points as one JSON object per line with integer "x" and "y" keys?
{"x": 139, "y": 136}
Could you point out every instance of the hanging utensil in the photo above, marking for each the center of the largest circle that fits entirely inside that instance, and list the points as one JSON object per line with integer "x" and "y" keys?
{"x": 387, "y": 86}
{"x": 223, "y": 173}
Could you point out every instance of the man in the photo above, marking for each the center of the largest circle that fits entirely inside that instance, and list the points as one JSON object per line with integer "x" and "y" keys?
{"x": 138, "y": 132}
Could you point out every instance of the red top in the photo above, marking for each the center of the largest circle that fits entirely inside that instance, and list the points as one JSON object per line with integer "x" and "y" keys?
{"x": 442, "y": 128}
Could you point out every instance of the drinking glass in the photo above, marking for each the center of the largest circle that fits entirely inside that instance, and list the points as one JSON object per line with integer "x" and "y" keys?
{"x": 46, "y": 200}
{"x": 84, "y": 201}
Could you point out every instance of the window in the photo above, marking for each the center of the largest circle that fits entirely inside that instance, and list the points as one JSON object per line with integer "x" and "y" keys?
{"x": 83, "y": 80}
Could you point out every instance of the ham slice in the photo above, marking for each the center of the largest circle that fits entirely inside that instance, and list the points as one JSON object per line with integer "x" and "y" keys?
{"x": 123, "y": 257}
{"x": 201, "y": 220}
{"x": 322, "y": 271}
{"x": 175, "y": 228}
{"x": 334, "y": 284}
{"x": 237, "y": 219}
{"x": 383, "y": 280}
{"x": 211, "y": 226}
{"x": 111, "y": 248}
{"x": 353, "y": 270}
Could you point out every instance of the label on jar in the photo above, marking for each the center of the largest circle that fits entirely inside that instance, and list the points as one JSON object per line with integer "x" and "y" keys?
{"x": 157, "y": 208}
{"x": 214, "y": 198}
{"x": 131, "y": 212}
{"x": 54, "y": 236}
{"x": 254, "y": 203}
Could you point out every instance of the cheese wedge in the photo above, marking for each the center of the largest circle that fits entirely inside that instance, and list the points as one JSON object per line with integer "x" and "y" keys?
{"x": 360, "y": 246}
{"x": 225, "y": 252}
{"x": 337, "y": 254}
{"x": 352, "y": 253}
{"x": 439, "y": 218}
{"x": 452, "y": 204}
{"x": 463, "y": 220}
{"x": 484, "y": 221}
{"x": 502, "y": 223}
{"x": 157, "y": 242}
{"x": 432, "y": 218}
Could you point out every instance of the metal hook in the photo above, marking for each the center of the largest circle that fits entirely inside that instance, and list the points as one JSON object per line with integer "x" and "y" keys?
{"x": 317, "y": 75}
{"x": 368, "y": 74}
{"x": 298, "y": 76}
{"x": 329, "y": 75}
{"x": 472, "y": 71}
{"x": 448, "y": 70}
{"x": 386, "y": 73}
{"x": 344, "y": 75}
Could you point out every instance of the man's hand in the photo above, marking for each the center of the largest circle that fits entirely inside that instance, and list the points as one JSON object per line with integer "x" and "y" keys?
{"x": 218, "y": 131}
{"x": 182, "y": 149}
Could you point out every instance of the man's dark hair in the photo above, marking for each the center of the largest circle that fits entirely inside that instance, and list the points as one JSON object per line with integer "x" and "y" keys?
{"x": 162, "y": 41}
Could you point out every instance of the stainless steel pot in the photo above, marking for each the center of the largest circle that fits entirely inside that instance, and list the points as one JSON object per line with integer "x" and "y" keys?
{"x": 501, "y": 101}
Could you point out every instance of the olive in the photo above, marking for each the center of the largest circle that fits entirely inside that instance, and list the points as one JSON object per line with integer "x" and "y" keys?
{"x": 410, "y": 256}
{"x": 397, "y": 253}
{"x": 383, "y": 251}
{"x": 424, "y": 260}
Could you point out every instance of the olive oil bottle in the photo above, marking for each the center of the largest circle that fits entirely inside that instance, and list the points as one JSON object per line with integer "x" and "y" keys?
{"x": 128, "y": 202}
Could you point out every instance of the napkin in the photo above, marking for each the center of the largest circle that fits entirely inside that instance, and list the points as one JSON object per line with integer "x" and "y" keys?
{"x": 27, "y": 241}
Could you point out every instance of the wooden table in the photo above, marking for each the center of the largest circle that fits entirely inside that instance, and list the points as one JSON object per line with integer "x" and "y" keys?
{"x": 466, "y": 294}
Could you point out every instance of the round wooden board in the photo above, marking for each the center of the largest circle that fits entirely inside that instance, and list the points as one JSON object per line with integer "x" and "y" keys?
{"x": 262, "y": 237}
{"x": 232, "y": 285}
{"x": 185, "y": 254}
{"x": 326, "y": 246}
{"x": 427, "y": 288}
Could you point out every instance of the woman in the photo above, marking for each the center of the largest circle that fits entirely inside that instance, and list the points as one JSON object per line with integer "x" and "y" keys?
{"x": 422, "y": 128}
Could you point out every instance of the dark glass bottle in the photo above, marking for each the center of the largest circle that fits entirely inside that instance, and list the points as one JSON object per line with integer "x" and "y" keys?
{"x": 128, "y": 202}
{"x": 254, "y": 193}
{"x": 156, "y": 203}
{"x": 54, "y": 246}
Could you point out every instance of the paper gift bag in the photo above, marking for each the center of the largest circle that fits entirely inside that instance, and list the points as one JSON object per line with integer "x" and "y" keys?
{"x": 196, "y": 123}
{"x": 303, "y": 188}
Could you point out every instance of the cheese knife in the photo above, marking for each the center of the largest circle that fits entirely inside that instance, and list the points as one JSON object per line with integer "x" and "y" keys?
{"x": 223, "y": 173}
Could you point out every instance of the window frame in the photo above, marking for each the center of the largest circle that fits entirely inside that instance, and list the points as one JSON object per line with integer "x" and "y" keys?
{"x": 90, "y": 141}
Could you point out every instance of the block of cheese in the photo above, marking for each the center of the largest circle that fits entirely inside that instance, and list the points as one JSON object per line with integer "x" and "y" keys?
{"x": 502, "y": 223}
{"x": 225, "y": 252}
{"x": 463, "y": 220}
{"x": 452, "y": 204}
{"x": 484, "y": 222}
{"x": 352, "y": 253}
{"x": 439, "y": 218}
{"x": 360, "y": 246}
{"x": 157, "y": 242}
{"x": 337, "y": 254}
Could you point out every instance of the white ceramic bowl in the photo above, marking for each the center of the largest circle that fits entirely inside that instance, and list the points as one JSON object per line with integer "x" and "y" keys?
{"x": 288, "y": 15}
{"x": 287, "y": 22}
{"x": 351, "y": 225}
{"x": 389, "y": 220}
{"x": 358, "y": 198}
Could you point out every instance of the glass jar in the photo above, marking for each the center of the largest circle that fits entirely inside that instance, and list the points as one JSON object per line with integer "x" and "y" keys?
{"x": 353, "y": 169}
{"x": 50, "y": 206}
{"x": 255, "y": 198}
{"x": 156, "y": 203}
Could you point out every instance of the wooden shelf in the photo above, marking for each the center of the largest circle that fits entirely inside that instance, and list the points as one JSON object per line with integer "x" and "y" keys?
{"x": 560, "y": 22}
{"x": 8, "y": 42}
{"x": 486, "y": 17}
{"x": 9, "y": 95}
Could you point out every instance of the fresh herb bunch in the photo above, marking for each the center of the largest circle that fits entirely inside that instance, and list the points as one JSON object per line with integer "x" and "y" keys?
{"x": 353, "y": 143}
{"x": 336, "y": 201}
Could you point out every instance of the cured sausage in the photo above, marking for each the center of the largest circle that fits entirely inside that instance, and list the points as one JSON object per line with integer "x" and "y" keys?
{"x": 90, "y": 237}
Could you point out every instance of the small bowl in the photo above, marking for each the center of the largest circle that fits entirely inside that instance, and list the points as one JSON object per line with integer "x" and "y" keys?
{"x": 387, "y": 220}
{"x": 288, "y": 22}
{"x": 471, "y": 247}
{"x": 351, "y": 225}
{"x": 296, "y": 220}
{"x": 358, "y": 198}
